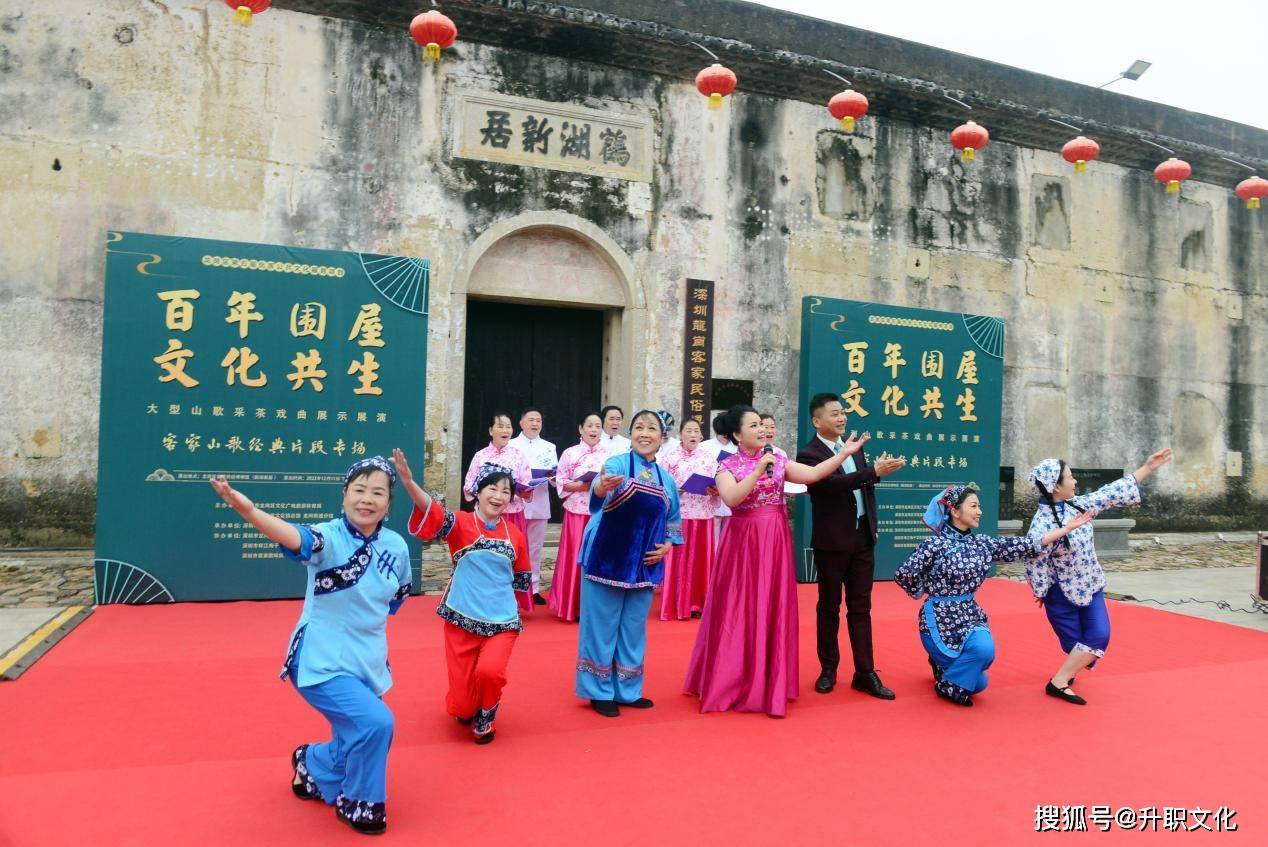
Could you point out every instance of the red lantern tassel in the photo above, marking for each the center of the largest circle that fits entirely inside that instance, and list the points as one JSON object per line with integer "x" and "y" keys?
{"x": 847, "y": 123}
{"x": 967, "y": 154}
{"x": 243, "y": 15}
{"x": 715, "y": 100}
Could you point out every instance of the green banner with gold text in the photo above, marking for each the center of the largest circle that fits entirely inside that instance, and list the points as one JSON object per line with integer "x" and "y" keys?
{"x": 927, "y": 387}
{"x": 276, "y": 366}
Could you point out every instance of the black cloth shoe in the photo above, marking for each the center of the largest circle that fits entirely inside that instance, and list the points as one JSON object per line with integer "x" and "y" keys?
{"x": 954, "y": 693}
{"x": 870, "y": 683}
{"x": 607, "y": 708}
{"x": 826, "y": 682}
{"x": 364, "y": 817}
{"x": 302, "y": 785}
{"x": 539, "y": 600}
{"x": 937, "y": 670}
{"x": 1064, "y": 694}
{"x": 487, "y": 738}
{"x": 640, "y": 703}
{"x": 695, "y": 615}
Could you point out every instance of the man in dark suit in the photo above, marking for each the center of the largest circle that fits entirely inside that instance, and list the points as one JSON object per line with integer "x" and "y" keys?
{"x": 843, "y": 510}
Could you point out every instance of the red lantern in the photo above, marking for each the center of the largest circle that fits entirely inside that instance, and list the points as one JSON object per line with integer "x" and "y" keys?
{"x": 716, "y": 82}
{"x": 1079, "y": 151}
{"x": 434, "y": 31}
{"x": 1173, "y": 172}
{"x": 847, "y": 107}
{"x": 1251, "y": 189}
{"x": 969, "y": 138}
{"x": 244, "y": 10}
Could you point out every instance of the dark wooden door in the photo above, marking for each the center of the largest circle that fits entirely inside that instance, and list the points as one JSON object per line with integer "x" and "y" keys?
{"x": 519, "y": 356}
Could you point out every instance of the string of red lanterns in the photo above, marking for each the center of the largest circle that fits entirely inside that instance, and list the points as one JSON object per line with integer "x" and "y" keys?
{"x": 245, "y": 10}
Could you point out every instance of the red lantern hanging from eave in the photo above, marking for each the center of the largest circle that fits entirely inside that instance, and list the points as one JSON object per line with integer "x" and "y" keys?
{"x": 1173, "y": 172}
{"x": 847, "y": 107}
{"x": 1251, "y": 190}
{"x": 968, "y": 138}
{"x": 434, "y": 32}
{"x": 1079, "y": 151}
{"x": 716, "y": 82}
{"x": 245, "y": 10}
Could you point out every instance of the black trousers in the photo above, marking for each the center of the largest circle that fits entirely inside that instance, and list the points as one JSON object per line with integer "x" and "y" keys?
{"x": 853, "y": 570}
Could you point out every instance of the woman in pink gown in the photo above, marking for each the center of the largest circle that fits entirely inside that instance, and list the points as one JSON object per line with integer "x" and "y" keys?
{"x": 583, "y": 458}
{"x": 745, "y": 657}
{"x": 687, "y": 567}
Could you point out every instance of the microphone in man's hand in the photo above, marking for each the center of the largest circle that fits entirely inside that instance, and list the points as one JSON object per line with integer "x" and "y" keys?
{"x": 766, "y": 451}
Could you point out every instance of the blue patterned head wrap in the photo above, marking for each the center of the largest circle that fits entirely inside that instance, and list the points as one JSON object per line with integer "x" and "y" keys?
{"x": 378, "y": 463}
{"x": 938, "y": 514}
{"x": 489, "y": 469}
{"x": 666, "y": 420}
{"x": 1046, "y": 475}
{"x": 657, "y": 415}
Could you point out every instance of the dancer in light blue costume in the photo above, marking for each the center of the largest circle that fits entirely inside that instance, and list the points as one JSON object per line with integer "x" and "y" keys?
{"x": 358, "y": 574}
{"x": 947, "y": 569}
{"x": 634, "y": 521}
{"x": 1068, "y": 579}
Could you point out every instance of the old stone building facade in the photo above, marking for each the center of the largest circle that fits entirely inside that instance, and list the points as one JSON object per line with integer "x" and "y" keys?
{"x": 1135, "y": 318}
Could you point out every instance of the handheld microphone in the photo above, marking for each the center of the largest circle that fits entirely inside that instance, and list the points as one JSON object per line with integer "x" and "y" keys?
{"x": 770, "y": 469}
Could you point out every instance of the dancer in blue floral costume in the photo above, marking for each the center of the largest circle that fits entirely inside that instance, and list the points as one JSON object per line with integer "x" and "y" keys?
{"x": 947, "y": 569}
{"x": 1068, "y": 579}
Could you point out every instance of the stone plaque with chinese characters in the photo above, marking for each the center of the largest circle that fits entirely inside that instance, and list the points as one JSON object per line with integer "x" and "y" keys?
{"x": 275, "y": 366}
{"x": 697, "y": 366}
{"x": 559, "y": 136}
{"x": 925, "y": 386}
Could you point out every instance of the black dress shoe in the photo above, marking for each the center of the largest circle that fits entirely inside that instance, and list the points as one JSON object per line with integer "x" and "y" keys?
{"x": 487, "y": 738}
{"x": 640, "y": 703}
{"x": 539, "y": 600}
{"x": 607, "y": 708}
{"x": 870, "y": 683}
{"x": 1064, "y": 694}
{"x": 826, "y": 682}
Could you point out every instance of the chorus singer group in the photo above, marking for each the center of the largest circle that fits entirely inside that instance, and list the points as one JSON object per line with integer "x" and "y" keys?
{"x": 703, "y": 520}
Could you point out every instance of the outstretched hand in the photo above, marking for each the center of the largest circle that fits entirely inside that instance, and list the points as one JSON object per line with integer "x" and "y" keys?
{"x": 1158, "y": 459}
{"x": 853, "y": 444}
{"x": 607, "y": 483}
{"x": 240, "y": 502}
{"x": 1084, "y": 517}
{"x": 403, "y": 473}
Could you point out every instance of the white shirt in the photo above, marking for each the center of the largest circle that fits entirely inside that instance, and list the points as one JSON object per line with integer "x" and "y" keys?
{"x": 714, "y": 447}
{"x": 848, "y": 466}
{"x": 614, "y": 444}
{"x": 541, "y": 455}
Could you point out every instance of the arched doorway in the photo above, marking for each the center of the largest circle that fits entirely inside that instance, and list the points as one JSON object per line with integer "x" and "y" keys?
{"x": 551, "y": 311}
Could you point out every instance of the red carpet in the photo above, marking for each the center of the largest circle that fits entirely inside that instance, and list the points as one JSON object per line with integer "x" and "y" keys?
{"x": 167, "y": 725}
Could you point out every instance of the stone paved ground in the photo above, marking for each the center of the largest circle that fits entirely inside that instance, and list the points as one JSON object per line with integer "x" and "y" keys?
{"x": 64, "y": 577}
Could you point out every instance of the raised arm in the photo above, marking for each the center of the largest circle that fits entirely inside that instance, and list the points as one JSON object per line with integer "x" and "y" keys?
{"x": 429, "y": 519}
{"x": 810, "y": 474}
{"x": 1016, "y": 548}
{"x": 273, "y": 527}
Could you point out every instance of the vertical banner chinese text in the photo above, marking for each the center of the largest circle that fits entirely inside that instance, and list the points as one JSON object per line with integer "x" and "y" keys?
{"x": 697, "y": 368}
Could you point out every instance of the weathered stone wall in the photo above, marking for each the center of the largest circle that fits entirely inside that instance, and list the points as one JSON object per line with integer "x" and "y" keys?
{"x": 1135, "y": 319}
